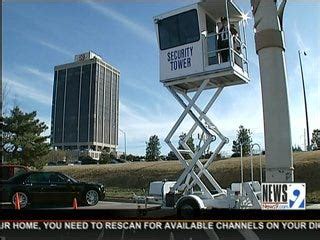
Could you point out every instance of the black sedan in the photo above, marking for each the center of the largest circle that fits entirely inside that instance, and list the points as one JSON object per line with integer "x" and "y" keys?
{"x": 49, "y": 187}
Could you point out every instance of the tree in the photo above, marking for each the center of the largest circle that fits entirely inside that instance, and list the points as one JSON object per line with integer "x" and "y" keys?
{"x": 153, "y": 148}
{"x": 296, "y": 148}
{"x": 244, "y": 139}
{"x": 106, "y": 157}
{"x": 171, "y": 156}
{"x": 53, "y": 156}
{"x": 23, "y": 138}
{"x": 315, "y": 139}
{"x": 133, "y": 158}
{"x": 190, "y": 144}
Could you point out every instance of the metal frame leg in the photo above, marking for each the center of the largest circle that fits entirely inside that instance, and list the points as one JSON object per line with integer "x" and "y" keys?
{"x": 189, "y": 178}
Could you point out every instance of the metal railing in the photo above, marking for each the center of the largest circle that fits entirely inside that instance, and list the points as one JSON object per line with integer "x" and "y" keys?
{"x": 260, "y": 161}
{"x": 235, "y": 51}
{"x": 251, "y": 164}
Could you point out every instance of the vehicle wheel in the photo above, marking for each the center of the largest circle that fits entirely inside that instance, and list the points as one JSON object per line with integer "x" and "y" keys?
{"x": 188, "y": 209}
{"x": 23, "y": 198}
{"x": 91, "y": 197}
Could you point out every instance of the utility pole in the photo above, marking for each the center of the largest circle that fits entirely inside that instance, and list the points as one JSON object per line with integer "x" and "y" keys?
{"x": 305, "y": 100}
{"x": 270, "y": 49}
{"x": 125, "y": 143}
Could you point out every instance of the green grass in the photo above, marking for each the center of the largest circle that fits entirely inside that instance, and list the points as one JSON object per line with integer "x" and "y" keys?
{"x": 116, "y": 193}
{"x": 121, "y": 180}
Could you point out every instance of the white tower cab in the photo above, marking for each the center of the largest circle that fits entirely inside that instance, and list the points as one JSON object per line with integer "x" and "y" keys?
{"x": 202, "y": 41}
{"x": 203, "y": 48}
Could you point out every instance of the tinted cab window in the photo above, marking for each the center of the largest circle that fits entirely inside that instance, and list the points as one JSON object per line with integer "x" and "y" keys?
{"x": 179, "y": 29}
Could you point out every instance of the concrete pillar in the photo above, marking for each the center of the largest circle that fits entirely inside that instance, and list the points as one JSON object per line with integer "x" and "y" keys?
{"x": 270, "y": 48}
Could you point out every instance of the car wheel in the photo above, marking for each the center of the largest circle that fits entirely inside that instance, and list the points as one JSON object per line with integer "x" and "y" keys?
{"x": 92, "y": 197}
{"x": 23, "y": 199}
{"x": 188, "y": 209}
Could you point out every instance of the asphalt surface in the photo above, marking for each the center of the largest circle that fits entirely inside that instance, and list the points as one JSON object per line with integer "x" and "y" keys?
{"x": 101, "y": 205}
{"x": 135, "y": 206}
{"x": 118, "y": 205}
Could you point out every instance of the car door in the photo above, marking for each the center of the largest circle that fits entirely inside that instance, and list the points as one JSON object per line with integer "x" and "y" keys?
{"x": 37, "y": 187}
{"x": 61, "y": 188}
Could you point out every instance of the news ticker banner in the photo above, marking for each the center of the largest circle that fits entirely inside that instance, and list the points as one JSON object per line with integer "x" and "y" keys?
{"x": 158, "y": 225}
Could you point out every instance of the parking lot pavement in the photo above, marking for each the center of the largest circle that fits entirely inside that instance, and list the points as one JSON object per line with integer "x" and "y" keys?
{"x": 118, "y": 205}
{"x": 101, "y": 205}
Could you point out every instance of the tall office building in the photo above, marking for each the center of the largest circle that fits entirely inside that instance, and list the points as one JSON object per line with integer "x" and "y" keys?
{"x": 85, "y": 106}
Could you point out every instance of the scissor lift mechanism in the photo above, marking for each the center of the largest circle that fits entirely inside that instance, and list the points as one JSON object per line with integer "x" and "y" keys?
{"x": 195, "y": 169}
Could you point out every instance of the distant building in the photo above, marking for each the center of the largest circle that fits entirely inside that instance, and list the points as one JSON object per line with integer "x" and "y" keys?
{"x": 85, "y": 106}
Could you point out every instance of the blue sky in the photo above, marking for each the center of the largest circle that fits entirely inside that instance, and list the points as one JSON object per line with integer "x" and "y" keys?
{"x": 37, "y": 36}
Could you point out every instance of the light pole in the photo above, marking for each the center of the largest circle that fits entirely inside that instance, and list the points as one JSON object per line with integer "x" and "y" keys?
{"x": 125, "y": 143}
{"x": 305, "y": 99}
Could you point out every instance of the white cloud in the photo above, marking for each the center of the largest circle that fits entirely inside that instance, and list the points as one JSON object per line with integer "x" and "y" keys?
{"x": 54, "y": 47}
{"x": 300, "y": 41}
{"x": 142, "y": 32}
{"x": 43, "y": 75}
{"x": 140, "y": 124}
{"x": 24, "y": 91}
{"x": 154, "y": 95}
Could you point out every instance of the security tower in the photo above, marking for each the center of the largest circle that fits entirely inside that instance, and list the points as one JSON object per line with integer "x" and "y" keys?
{"x": 202, "y": 48}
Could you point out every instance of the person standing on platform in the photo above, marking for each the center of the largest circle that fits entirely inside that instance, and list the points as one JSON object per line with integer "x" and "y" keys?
{"x": 223, "y": 40}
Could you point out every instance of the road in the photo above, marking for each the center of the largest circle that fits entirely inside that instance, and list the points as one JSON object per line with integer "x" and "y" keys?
{"x": 119, "y": 205}
{"x": 101, "y": 205}
{"x": 116, "y": 206}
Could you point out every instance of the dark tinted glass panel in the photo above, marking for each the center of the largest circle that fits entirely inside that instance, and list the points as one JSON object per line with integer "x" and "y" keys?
{"x": 169, "y": 32}
{"x": 58, "y": 125}
{"x": 53, "y": 105}
{"x": 188, "y": 27}
{"x": 84, "y": 104}
{"x": 179, "y": 30}
{"x": 100, "y": 103}
{"x": 107, "y": 107}
{"x": 56, "y": 178}
{"x": 92, "y": 103}
{"x": 113, "y": 104}
{"x": 38, "y": 178}
{"x": 117, "y": 111}
{"x": 72, "y": 105}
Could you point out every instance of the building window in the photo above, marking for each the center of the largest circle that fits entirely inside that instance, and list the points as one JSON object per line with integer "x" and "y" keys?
{"x": 72, "y": 103}
{"x": 59, "y": 106}
{"x": 84, "y": 104}
{"x": 179, "y": 29}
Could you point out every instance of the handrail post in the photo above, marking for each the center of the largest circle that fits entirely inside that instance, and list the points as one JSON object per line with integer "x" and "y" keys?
{"x": 251, "y": 161}
{"x": 241, "y": 167}
{"x": 260, "y": 161}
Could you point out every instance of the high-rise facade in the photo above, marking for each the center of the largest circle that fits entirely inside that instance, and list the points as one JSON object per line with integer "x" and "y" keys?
{"x": 85, "y": 106}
